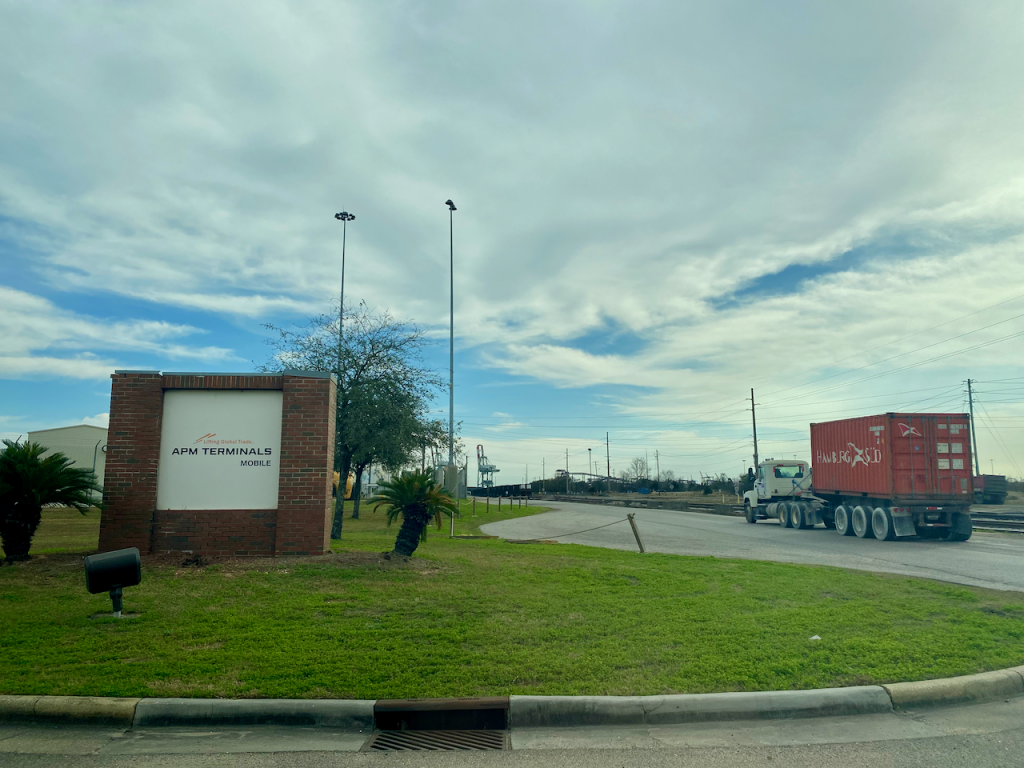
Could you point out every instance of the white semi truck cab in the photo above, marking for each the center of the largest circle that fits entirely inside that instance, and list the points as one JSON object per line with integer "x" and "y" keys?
{"x": 782, "y": 490}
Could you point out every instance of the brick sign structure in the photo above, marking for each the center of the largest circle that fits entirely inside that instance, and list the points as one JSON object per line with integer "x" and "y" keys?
{"x": 220, "y": 464}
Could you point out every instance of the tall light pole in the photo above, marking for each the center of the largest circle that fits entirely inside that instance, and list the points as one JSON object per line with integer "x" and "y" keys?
{"x": 451, "y": 331}
{"x": 344, "y": 217}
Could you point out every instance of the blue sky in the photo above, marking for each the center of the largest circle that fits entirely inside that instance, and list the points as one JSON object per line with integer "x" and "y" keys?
{"x": 660, "y": 206}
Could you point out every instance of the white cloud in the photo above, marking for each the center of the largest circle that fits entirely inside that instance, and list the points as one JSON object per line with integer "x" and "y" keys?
{"x": 42, "y": 366}
{"x": 33, "y": 328}
{"x": 99, "y": 420}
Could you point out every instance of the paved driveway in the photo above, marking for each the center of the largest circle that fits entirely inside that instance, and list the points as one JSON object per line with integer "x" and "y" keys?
{"x": 992, "y": 560}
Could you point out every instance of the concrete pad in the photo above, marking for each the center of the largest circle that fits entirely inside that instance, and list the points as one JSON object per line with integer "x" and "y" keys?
{"x": 824, "y": 702}
{"x": 330, "y": 713}
{"x": 821, "y": 730}
{"x": 53, "y": 739}
{"x": 175, "y": 741}
{"x": 568, "y": 711}
{"x": 593, "y": 737}
{"x": 87, "y": 710}
{"x": 752, "y": 733}
{"x": 1002, "y": 684}
{"x": 987, "y": 717}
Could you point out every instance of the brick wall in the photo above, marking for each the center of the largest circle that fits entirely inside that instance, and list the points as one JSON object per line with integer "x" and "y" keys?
{"x": 216, "y": 532}
{"x": 307, "y": 467}
{"x": 300, "y": 526}
{"x": 133, "y": 452}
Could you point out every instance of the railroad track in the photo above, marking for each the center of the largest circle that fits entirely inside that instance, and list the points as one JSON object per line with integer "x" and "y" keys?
{"x": 985, "y": 523}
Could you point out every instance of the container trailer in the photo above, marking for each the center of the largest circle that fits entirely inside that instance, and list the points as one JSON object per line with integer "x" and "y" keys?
{"x": 884, "y": 477}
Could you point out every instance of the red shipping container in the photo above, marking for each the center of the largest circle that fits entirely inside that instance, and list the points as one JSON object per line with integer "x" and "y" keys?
{"x": 905, "y": 457}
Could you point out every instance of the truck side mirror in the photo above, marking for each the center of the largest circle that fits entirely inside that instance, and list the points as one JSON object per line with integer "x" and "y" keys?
{"x": 111, "y": 572}
{"x": 750, "y": 473}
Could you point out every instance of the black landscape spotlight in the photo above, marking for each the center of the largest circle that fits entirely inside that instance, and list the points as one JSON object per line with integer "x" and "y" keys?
{"x": 112, "y": 572}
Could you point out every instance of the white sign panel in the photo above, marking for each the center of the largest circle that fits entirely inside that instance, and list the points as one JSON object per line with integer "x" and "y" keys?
{"x": 219, "y": 450}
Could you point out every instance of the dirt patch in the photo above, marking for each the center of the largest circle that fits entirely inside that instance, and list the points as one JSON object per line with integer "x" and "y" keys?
{"x": 48, "y": 565}
{"x": 231, "y": 566}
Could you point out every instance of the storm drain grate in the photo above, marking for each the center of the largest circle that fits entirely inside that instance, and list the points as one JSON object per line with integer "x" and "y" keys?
{"x": 437, "y": 741}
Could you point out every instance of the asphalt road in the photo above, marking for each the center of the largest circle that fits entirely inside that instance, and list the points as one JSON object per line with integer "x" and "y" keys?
{"x": 994, "y": 560}
{"x": 987, "y": 735}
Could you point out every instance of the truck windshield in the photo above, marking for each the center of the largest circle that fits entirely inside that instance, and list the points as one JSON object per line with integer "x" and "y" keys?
{"x": 795, "y": 471}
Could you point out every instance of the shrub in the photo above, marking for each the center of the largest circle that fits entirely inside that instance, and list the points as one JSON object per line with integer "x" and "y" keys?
{"x": 28, "y": 482}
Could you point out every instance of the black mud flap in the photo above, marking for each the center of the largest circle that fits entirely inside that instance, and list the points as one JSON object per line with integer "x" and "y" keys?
{"x": 961, "y": 527}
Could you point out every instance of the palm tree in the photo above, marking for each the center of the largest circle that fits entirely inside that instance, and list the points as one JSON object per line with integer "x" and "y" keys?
{"x": 417, "y": 499}
{"x": 28, "y": 482}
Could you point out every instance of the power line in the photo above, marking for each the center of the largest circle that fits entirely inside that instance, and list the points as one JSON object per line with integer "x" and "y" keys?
{"x": 998, "y": 440}
{"x": 980, "y": 345}
{"x": 888, "y": 343}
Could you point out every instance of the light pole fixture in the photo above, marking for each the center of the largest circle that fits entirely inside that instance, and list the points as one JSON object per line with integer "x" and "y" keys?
{"x": 451, "y": 330}
{"x": 344, "y": 217}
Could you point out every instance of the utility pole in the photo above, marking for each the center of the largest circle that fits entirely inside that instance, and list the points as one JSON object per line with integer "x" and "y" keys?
{"x": 657, "y": 461}
{"x": 590, "y": 462}
{"x": 974, "y": 433}
{"x": 566, "y": 471}
{"x": 607, "y": 458}
{"x": 543, "y": 474}
{"x": 753, "y": 416}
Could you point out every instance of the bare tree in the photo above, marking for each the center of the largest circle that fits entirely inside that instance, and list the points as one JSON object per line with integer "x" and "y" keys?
{"x": 638, "y": 469}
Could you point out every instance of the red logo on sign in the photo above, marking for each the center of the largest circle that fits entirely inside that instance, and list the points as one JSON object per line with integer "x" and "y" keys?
{"x": 906, "y": 429}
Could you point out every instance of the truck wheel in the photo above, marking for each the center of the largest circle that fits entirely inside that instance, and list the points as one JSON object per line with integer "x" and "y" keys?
{"x": 799, "y": 515}
{"x": 784, "y": 517}
{"x": 843, "y": 522}
{"x": 862, "y": 522}
{"x": 749, "y": 513}
{"x": 882, "y": 525}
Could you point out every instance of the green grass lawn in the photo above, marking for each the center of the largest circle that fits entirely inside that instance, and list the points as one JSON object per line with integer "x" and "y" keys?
{"x": 482, "y": 617}
{"x": 66, "y": 530}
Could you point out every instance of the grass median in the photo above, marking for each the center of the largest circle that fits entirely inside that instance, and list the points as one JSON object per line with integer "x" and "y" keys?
{"x": 482, "y": 617}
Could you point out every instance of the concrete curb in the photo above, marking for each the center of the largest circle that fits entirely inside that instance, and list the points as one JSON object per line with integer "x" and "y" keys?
{"x": 87, "y": 710}
{"x": 323, "y": 713}
{"x": 1001, "y": 684}
{"x": 569, "y": 711}
{"x": 524, "y": 711}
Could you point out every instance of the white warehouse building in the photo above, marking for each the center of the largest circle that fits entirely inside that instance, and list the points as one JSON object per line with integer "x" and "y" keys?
{"x": 84, "y": 444}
